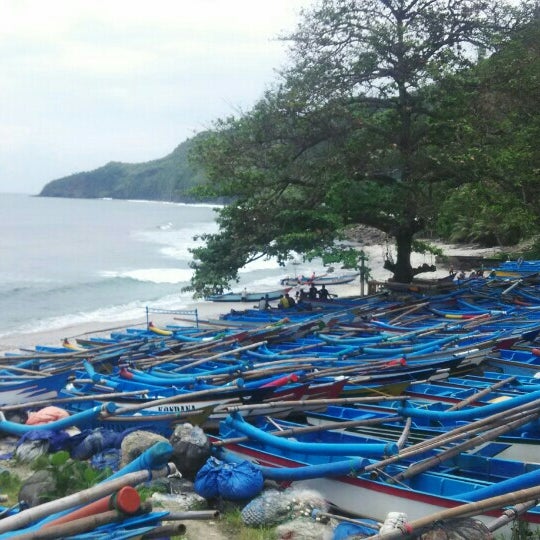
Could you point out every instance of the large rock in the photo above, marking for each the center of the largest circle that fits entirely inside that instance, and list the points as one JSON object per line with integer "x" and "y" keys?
{"x": 134, "y": 444}
{"x": 191, "y": 449}
{"x": 37, "y": 488}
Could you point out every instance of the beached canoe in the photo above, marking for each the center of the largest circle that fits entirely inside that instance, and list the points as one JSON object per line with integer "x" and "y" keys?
{"x": 248, "y": 296}
{"x": 320, "y": 280}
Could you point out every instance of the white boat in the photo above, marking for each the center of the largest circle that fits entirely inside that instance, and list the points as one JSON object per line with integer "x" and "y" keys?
{"x": 320, "y": 280}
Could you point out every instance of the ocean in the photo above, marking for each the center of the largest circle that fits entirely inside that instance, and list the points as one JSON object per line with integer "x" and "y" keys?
{"x": 74, "y": 261}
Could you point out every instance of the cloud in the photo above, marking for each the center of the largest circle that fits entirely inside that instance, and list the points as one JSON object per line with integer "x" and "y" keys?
{"x": 87, "y": 82}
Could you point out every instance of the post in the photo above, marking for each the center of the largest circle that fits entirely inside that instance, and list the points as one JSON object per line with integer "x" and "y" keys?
{"x": 362, "y": 273}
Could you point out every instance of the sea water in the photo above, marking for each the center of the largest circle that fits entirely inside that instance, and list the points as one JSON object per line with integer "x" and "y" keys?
{"x": 73, "y": 261}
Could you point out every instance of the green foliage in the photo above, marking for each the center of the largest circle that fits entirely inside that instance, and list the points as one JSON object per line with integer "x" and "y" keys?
{"x": 172, "y": 178}
{"x": 70, "y": 476}
{"x": 348, "y": 257}
{"x": 476, "y": 213}
{"x": 10, "y": 484}
{"x": 486, "y": 125}
{"x": 349, "y": 135}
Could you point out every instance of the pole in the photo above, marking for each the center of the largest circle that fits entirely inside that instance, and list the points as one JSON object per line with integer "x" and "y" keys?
{"x": 362, "y": 273}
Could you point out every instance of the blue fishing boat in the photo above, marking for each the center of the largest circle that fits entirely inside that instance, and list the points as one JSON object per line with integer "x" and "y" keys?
{"x": 364, "y": 486}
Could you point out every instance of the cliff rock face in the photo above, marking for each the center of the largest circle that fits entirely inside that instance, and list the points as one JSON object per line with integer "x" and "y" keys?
{"x": 166, "y": 179}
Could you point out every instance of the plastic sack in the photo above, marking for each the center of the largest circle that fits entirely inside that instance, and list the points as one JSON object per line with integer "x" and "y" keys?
{"x": 206, "y": 481}
{"x": 239, "y": 481}
{"x": 232, "y": 481}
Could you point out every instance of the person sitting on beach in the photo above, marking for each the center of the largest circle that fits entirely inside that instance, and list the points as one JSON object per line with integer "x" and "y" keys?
{"x": 323, "y": 293}
{"x": 290, "y": 299}
{"x": 312, "y": 293}
{"x": 461, "y": 275}
{"x": 283, "y": 302}
{"x": 263, "y": 303}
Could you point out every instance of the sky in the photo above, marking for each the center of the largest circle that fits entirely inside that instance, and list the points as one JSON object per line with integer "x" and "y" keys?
{"x": 85, "y": 82}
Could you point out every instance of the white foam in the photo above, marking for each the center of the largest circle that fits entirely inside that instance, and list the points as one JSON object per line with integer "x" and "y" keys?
{"x": 121, "y": 312}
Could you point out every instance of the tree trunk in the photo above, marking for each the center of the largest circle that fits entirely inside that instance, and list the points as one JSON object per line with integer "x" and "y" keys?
{"x": 403, "y": 271}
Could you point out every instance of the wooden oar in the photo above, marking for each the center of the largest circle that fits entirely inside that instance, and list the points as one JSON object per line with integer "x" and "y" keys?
{"x": 408, "y": 312}
{"x": 405, "y": 434}
{"x": 478, "y": 395}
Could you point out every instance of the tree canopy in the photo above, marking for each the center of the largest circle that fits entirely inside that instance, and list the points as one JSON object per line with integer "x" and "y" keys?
{"x": 350, "y": 132}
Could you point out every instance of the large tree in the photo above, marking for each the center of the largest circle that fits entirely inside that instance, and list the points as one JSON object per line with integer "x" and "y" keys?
{"x": 344, "y": 138}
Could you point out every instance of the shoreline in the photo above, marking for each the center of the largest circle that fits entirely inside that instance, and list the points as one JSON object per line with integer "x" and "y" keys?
{"x": 212, "y": 310}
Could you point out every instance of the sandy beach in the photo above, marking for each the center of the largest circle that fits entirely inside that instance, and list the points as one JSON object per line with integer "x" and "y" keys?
{"x": 212, "y": 310}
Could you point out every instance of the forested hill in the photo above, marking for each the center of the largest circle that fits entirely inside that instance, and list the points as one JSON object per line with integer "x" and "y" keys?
{"x": 167, "y": 179}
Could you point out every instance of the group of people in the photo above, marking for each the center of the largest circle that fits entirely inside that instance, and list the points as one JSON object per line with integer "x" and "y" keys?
{"x": 461, "y": 274}
{"x": 301, "y": 300}
{"x": 313, "y": 293}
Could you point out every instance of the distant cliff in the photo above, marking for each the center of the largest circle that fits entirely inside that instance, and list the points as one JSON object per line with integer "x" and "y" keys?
{"x": 166, "y": 179}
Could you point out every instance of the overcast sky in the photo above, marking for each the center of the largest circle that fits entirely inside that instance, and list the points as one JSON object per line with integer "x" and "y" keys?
{"x": 85, "y": 82}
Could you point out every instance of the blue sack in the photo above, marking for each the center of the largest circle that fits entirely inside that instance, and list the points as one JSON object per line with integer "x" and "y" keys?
{"x": 239, "y": 481}
{"x": 232, "y": 481}
{"x": 206, "y": 480}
